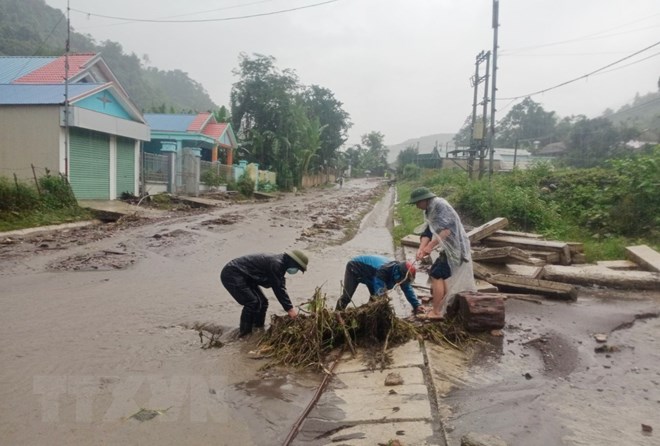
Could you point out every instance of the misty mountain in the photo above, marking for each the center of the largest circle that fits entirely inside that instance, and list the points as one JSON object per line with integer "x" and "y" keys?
{"x": 425, "y": 144}
{"x": 32, "y": 28}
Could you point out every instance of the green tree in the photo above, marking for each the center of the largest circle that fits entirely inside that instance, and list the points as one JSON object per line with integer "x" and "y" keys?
{"x": 375, "y": 157}
{"x": 321, "y": 104}
{"x": 591, "y": 142}
{"x": 406, "y": 156}
{"x": 526, "y": 122}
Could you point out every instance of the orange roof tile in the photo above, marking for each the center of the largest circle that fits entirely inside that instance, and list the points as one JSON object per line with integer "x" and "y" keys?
{"x": 53, "y": 73}
{"x": 215, "y": 129}
{"x": 198, "y": 123}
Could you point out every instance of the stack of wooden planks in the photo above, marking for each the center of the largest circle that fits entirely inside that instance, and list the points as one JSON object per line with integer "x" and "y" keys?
{"x": 525, "y": 265}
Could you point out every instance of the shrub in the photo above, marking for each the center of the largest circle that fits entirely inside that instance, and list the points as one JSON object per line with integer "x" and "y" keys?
{"x": 411, "y": 171}
{"x": 212, "y": 178}
{"x": 56, "y": 192}
{"x": 245, "y": 185}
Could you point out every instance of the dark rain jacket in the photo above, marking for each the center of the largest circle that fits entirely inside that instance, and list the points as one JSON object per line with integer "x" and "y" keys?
{"x": 267, "y": 271}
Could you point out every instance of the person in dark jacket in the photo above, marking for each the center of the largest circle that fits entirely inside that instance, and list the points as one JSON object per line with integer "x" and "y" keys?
{"x": 244, "y": 276}
{"x": 379, "y": 274}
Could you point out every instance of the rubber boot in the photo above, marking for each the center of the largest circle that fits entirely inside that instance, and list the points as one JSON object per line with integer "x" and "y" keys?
{"x": 247, "y": 320}
{"x": 341, "y": 305}
{"x": 259, "y": 319}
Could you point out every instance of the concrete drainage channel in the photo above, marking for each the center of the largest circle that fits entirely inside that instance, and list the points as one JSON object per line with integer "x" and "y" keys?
{"x": 361, "y": 406}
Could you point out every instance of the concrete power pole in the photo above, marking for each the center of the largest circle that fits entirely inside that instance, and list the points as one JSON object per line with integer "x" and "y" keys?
{"x": 491, "y": 139}
{"x": 478, "y": 136}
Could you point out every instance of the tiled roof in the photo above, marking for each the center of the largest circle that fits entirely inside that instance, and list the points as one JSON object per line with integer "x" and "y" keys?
{"x": 13, "y": 67}
{"x": 169, "y": 123}
{"x": 215, "y": 129}
{"x": 43, "y": 94}
{"x": 54, "y": 71}
{"x": 198, "y": 124}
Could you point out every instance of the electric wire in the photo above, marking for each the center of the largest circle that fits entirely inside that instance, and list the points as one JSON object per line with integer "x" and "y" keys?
{"x": 584, "y": 76}
{"x": 221, "y": 19}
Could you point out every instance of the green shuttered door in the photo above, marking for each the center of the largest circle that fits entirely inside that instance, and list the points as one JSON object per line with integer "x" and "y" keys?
{"x": 89, "y": 164}
{"x": 125, "y": 166}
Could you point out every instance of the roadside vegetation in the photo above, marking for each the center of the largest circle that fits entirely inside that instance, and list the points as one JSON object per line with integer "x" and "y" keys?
{"x": 48, "y": 201}
{"x": 607, "y": 208}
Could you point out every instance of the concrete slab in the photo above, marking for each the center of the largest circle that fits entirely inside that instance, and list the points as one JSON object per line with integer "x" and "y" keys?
{"x": 63, "y": 226}
{"x": 409, "y": 354}
{"x": 119, "y": 208}
{"x": 319, "y": 432}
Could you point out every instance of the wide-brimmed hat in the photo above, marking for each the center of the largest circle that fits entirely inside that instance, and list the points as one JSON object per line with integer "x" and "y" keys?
{"x": 419, "y": 194}
{"x": 300, "y": 258}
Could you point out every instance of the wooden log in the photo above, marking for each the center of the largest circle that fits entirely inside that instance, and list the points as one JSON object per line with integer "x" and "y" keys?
{"x": 562, "y": 248}
{"x": 590, "y": 275}
{"x": 487, "y": 229}
{"x": 647, "y": 258}
{"x": 480, "y": 311}
{"x": 517, "y": 284}
{"x": 618, "y": 264}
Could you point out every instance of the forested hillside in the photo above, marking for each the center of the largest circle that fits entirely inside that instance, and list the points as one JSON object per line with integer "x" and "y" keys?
{"x": 32, "y": 28}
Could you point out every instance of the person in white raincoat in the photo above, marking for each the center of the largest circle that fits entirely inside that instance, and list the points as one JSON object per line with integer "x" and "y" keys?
{"x": 451, "y": 272}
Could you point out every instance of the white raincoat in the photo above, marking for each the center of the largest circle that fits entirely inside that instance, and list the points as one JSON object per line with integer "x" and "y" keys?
{"x": 440, "y": 215}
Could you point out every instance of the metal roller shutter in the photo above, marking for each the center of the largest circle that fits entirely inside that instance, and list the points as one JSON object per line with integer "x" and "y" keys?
{"x": 89, "y": 164}
{"x": 125, "y": 166}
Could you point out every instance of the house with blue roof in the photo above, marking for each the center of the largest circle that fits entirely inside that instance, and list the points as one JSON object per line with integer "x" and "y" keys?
{"x": 96, "y": 145}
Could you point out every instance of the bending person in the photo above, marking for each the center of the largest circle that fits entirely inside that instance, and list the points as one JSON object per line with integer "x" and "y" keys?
{"x": 379, "y": 274}
{"x": 244, "y": 276}
{"x": 451, "y": 272}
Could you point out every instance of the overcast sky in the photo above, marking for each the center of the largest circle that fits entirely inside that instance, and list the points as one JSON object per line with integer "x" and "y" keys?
{"x": 401, "y": 67}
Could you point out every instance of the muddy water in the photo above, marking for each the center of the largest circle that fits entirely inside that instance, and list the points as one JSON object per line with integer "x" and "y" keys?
{"x": 83, "y": 351}
{"x": 543, "y": 383}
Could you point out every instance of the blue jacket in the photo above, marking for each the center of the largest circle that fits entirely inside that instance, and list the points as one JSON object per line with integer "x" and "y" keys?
{"x": 381, "y": 274}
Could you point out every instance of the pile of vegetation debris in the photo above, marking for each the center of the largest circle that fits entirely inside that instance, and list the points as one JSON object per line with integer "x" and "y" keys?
{"x": 319, "y": 333}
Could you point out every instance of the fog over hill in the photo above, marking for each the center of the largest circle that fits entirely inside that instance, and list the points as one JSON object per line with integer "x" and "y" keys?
{"x": 425, "y": 144}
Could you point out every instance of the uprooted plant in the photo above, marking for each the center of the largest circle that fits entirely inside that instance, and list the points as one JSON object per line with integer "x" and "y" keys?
{"x": 308, "y": 340}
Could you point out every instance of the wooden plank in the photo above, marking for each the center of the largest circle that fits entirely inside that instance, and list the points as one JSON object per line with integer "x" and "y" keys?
{"x": 618, "y": 264}
{"x": 502, "y": 254}
{"x": 576, "y": 247}
{"x": 492, "y": 269}
{"x": 519, "y": 234}
{"x": 646, "y": 257}
{"x": 517, "y": 284}
{"x": 410, "y": 240}
{"x": 547, "y": 257}
{"x": 590, "y": 275}
{"x": 487, "y": 229}
{"x": 533, "y": 245}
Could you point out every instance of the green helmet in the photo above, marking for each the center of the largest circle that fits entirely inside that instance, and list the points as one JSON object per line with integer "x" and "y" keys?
{"x": 419, "y": 194}
{"x": 300, "y": 258}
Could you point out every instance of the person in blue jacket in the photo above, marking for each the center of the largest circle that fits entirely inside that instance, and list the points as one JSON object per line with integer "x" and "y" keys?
{"x": 379, "y": 274}
{"x": 244, "y": 276}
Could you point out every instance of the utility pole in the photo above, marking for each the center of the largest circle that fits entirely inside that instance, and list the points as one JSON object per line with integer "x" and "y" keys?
{"x": 477, "y": 138}
{"x": 66, "y": 90}
{"x": 491, "y": 139}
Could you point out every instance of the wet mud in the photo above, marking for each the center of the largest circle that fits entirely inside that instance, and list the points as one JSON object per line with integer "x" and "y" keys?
{"x": 99, "y": 324}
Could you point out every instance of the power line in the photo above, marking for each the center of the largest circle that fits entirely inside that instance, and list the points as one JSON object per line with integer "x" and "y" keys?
{"x": 584, "y": 76}
{"x": 586, "y": 37}
{"x": 128, "y": 19}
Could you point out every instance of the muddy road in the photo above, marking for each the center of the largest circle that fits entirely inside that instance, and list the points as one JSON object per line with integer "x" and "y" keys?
{"x": 96, "y": 323}
{"x": 98, "y": 346}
